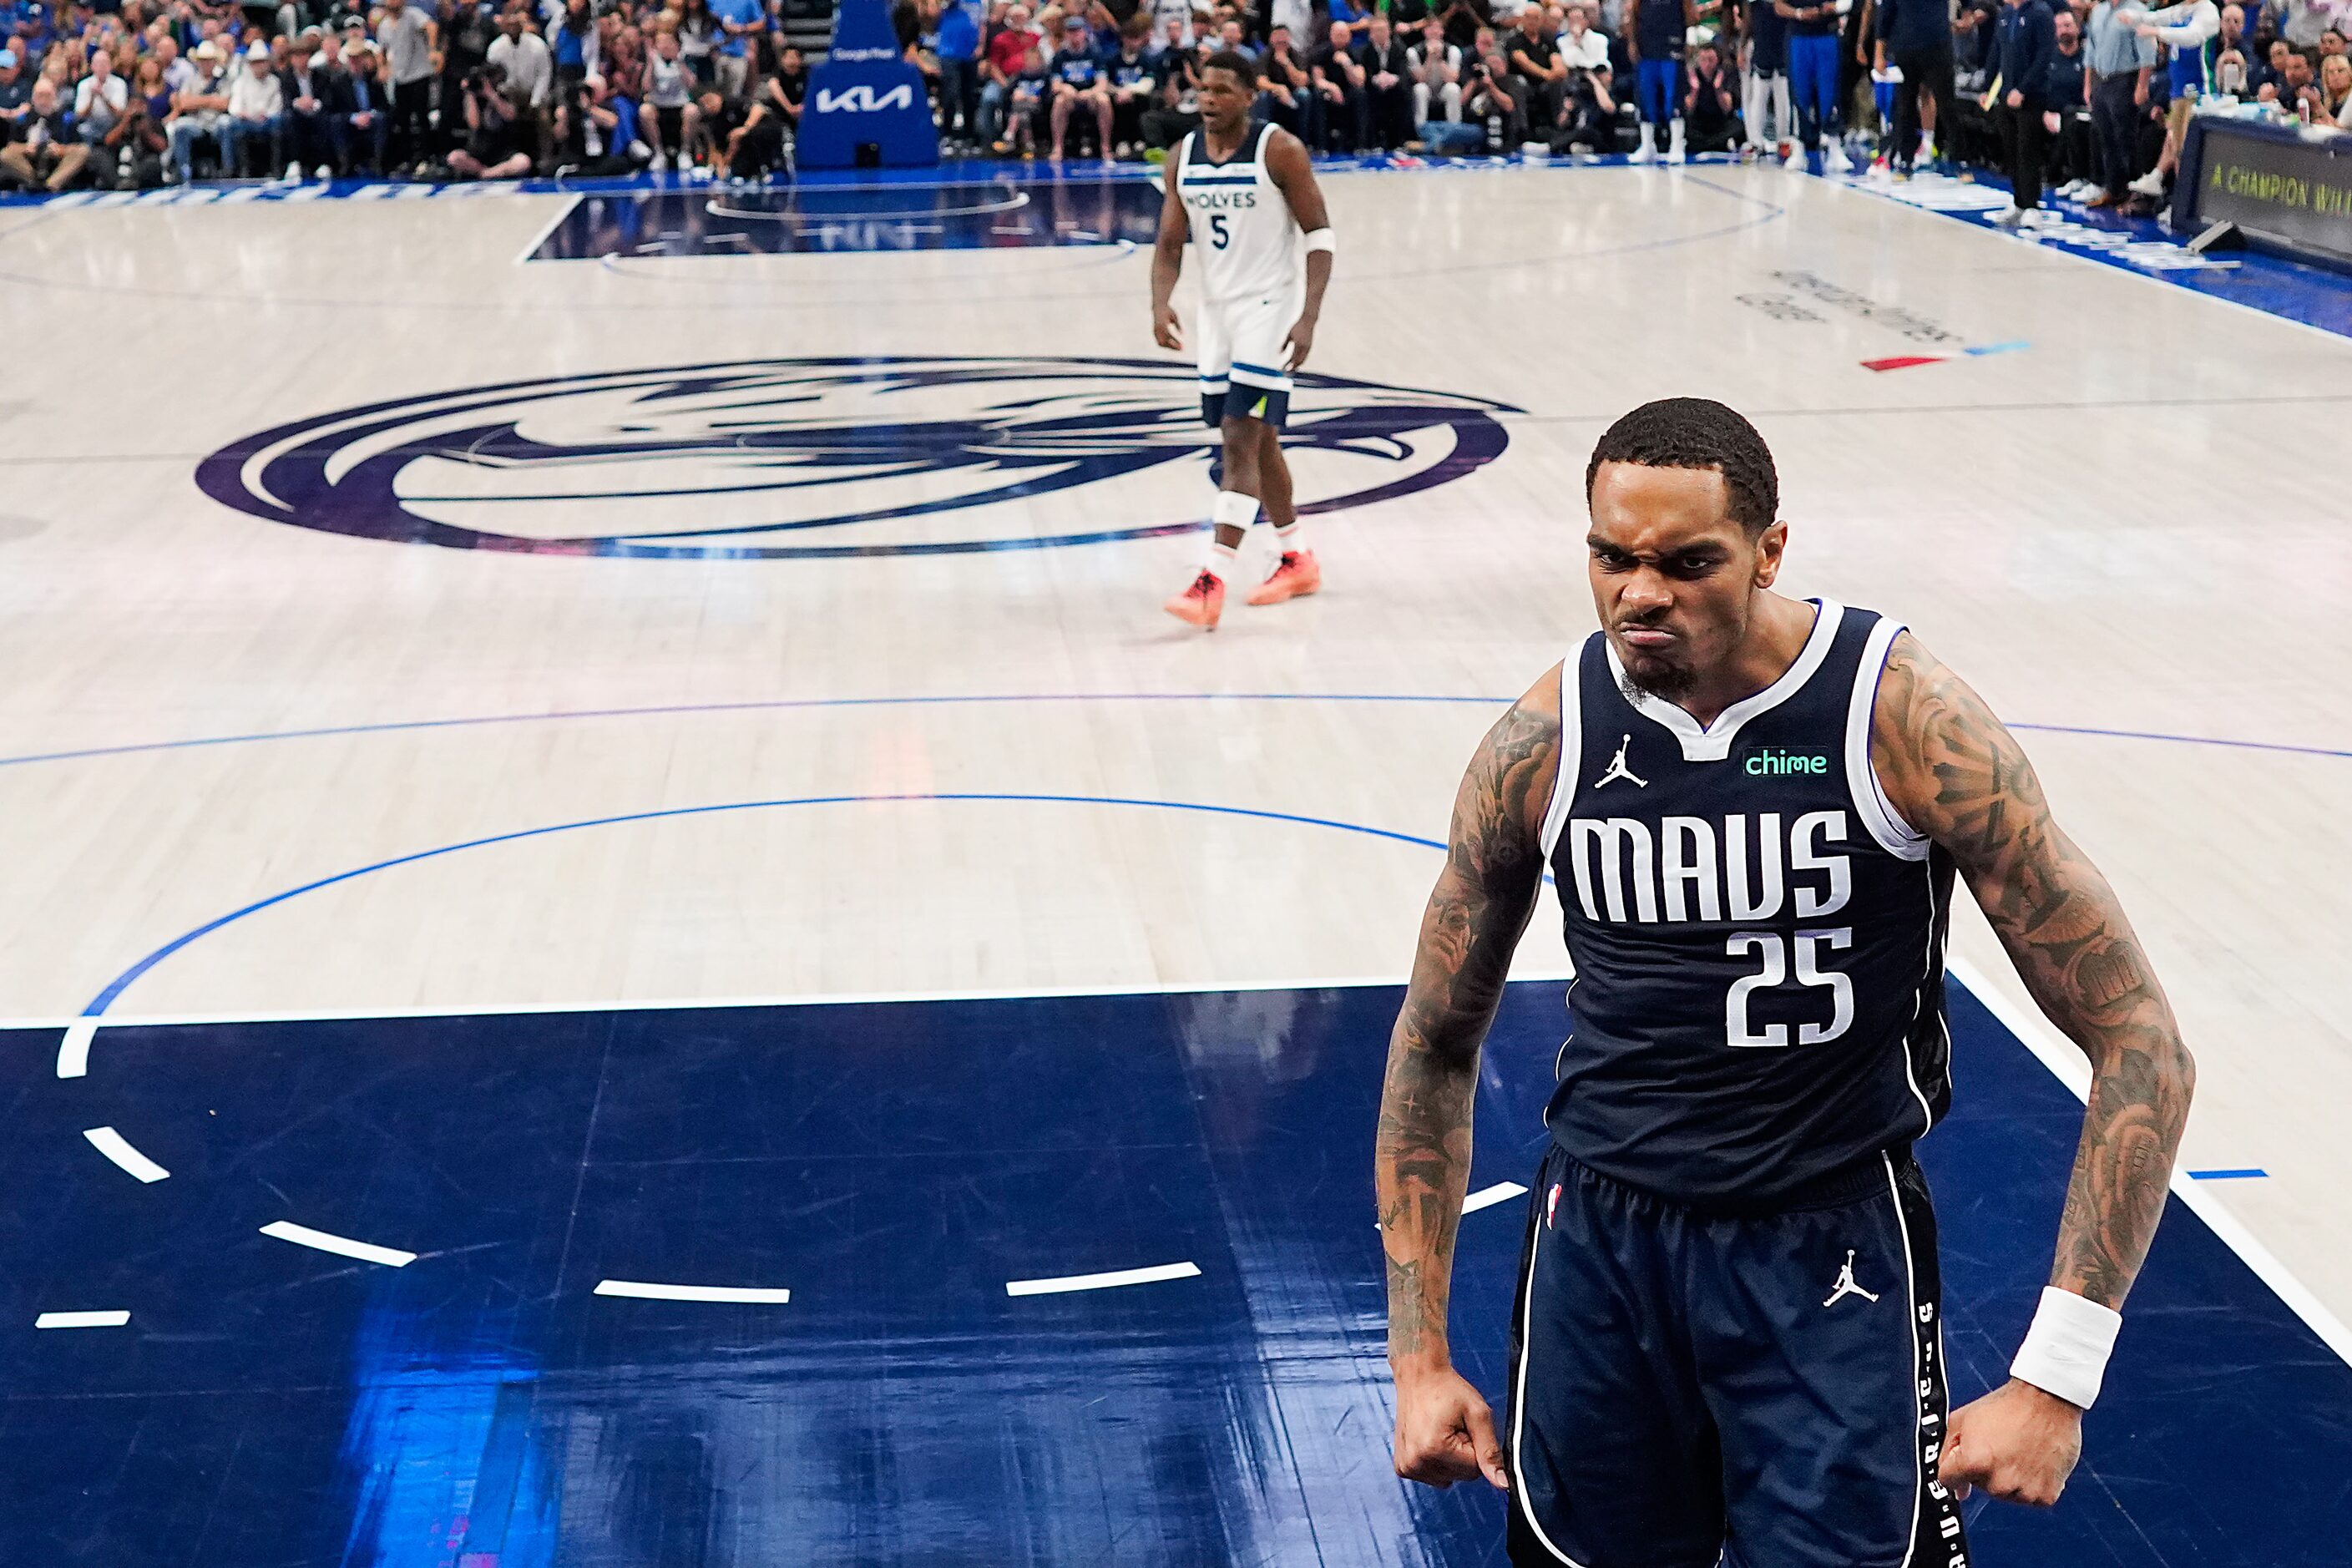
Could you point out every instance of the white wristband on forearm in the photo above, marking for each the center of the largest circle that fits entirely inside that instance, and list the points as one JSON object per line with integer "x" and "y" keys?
{"x": 1322, "y": 240}
{"x": 2065, "y": 1352}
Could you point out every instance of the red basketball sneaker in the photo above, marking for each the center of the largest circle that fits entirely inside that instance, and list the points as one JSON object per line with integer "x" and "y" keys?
{"x": 1294, "y": 578}
{"x": 1201, "y": 603}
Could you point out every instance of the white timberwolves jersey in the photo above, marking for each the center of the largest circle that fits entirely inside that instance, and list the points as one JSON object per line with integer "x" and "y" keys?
{"x": 1246, "y": 241}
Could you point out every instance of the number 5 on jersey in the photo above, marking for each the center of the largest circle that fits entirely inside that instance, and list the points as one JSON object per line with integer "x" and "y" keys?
{"x": 1219, "y": 235}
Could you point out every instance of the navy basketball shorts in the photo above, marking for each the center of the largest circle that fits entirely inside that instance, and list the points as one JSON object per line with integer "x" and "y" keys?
{"x": 1767, "y": 1392}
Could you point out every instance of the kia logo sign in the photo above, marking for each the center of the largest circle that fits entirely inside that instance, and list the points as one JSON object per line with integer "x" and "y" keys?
{"x": 863, "y": 99}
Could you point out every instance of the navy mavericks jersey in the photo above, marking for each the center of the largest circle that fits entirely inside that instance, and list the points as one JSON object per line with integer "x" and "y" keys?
{"x": 1759, "y": 938}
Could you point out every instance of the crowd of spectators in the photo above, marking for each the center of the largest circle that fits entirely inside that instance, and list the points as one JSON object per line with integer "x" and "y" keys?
{"x": 2094, "y": 96}
{"x": 138, "y": 93}
{"x": 1666, "y": 79}
{"x": 144, "y": 92}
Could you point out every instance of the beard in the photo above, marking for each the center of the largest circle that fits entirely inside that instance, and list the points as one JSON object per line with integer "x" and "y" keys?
{"x": 1667, "y": 684}
{"x": 1655, "y": 678}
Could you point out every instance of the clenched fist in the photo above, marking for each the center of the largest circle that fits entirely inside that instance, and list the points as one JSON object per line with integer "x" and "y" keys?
{"x": 1445, "y": 1433}
{"x": 2018, "y": 1443}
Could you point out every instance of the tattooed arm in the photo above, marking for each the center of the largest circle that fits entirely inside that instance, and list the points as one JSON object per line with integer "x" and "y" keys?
{"x": 1493, "y": 870}
{"x": 1958, "y": 776}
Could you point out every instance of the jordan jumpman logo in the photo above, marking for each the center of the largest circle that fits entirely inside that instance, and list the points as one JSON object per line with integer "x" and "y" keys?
{"x": 1618, "y": 770}
{"x": 1845, "y": 1285}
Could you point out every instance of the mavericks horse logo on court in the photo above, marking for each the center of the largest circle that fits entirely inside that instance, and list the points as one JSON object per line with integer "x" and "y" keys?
{"x": 878, "y": 455}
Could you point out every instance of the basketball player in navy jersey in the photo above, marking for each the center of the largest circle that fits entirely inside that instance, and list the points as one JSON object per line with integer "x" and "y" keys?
{"x": 1244, "y": 195}
{"x": 1727, "y": 1344}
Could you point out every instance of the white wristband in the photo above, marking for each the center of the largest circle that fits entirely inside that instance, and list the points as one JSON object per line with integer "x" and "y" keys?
{"x": 2065, "y": 1352}
{"x": 1322, "y": 240}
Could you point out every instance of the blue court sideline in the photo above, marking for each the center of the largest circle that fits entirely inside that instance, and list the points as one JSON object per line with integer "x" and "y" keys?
{"x": 894, "y": 1165}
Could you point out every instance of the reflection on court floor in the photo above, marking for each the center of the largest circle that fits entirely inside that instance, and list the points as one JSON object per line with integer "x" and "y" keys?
{"x": 1057, "y": 1280}
{"x": 1003, "y": 212}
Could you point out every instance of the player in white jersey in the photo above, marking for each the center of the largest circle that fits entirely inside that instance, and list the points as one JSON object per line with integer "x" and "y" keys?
{"x": 1245, "y": 194}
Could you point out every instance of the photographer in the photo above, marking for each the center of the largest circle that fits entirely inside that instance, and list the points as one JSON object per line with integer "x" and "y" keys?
{"x": 495, "y": 146}
{"x": 138, "y": 140}
{"x": 467, "y": 29}
{"x": 1496, "y": 101}
{"x": 594, "y": 130}
{"x": 1589, "y": 111}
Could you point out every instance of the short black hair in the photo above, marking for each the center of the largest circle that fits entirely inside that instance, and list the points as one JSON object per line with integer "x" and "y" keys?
{"x": 1244, "y": 68}
{"x": 1698, "y": 433}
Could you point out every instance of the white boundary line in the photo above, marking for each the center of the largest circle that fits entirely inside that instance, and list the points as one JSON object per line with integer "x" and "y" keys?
{"x": 81, "y": 1320}
{"x": 1070, "y": 1282}
{"x": 342, "y": 1246}
{"x": 116, "y": 1148}
{"x": 539, "y": 238}
{"x": 1485, "y": 1199}
{"x": 2058, "y": 1056}
{"x": 1488, "y": 1197}
{"x": 1879, "y": 196}
{"x": 73, "y": 1052}
{"x": 692, "y": 1003}
{"x": 644, "y": 1290}
{"x": 2070, "y": 1067}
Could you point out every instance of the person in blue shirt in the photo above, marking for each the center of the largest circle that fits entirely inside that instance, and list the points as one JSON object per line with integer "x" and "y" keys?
{"x": 738, "y": 21}
{"x": 572, "y": 44}
{"x": 958, "y": 49}
{"x": 1134, "y": 82}
{"x": 2025, "y": 42}
{"x": 1031, "y": 87}
{"x": 1078, "y": 78}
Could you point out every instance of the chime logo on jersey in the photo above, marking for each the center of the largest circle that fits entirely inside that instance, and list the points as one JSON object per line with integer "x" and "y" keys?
{"x": 1768, "y": 763}
{"x": 1743, "y": 867}
{"x": 878, "y": 455}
